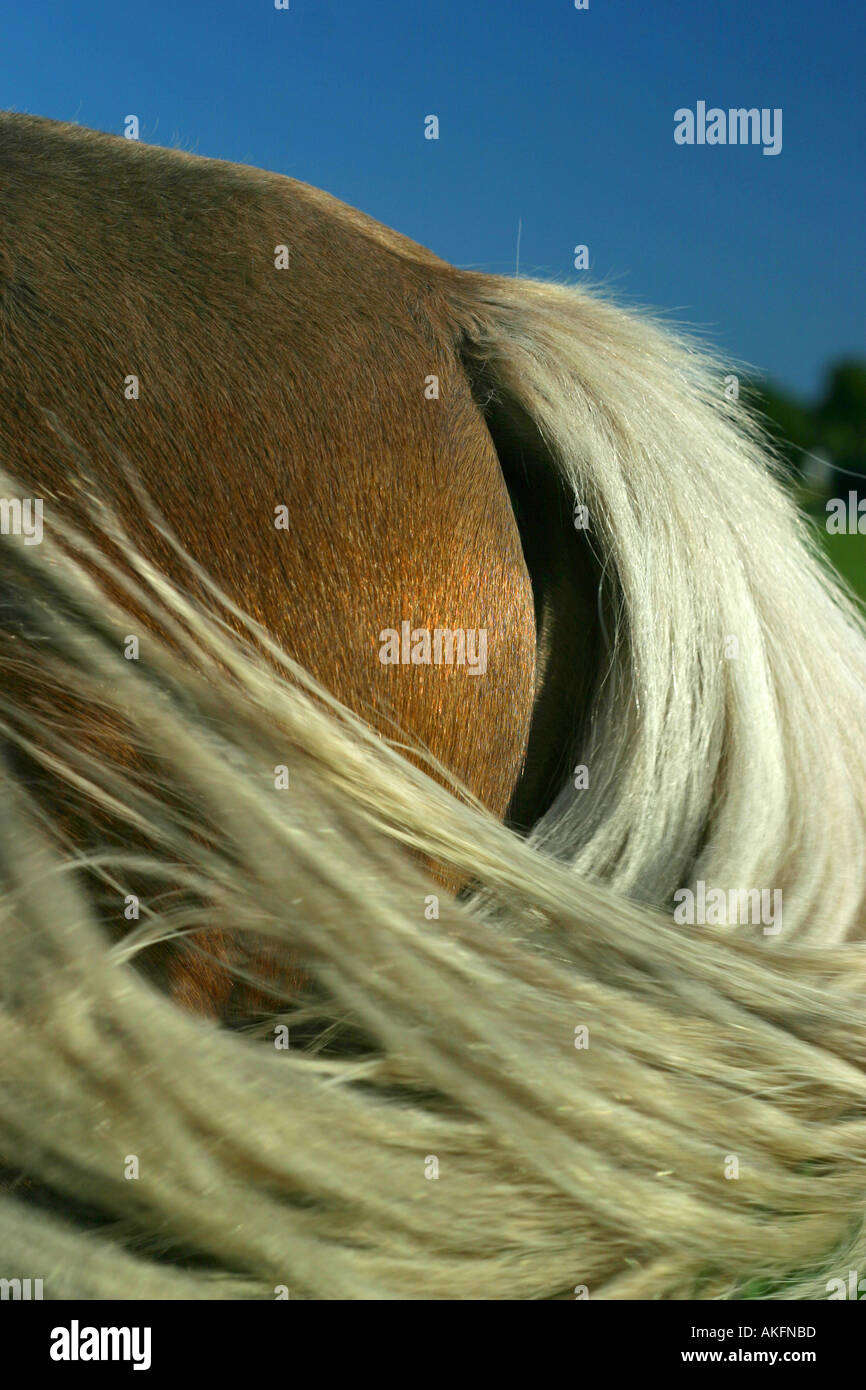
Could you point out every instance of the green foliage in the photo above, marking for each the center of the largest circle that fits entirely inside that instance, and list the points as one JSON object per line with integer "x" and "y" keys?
{"x": 841, "y": 416}
{"x": 834, "y": 427}
{"x": 847, "y": 555}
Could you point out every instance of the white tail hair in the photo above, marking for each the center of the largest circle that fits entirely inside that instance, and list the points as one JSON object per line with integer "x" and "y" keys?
{"x": 551, "y": 1087}
{"x": 727, "y": 740}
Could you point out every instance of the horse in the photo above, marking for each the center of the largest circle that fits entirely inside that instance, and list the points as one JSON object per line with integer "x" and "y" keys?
{"x": 388, "y": 652}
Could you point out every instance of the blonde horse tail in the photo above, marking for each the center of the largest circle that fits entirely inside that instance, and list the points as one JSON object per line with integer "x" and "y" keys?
{"x": 555, "y": 1083}
{"x": 724, "y": 738}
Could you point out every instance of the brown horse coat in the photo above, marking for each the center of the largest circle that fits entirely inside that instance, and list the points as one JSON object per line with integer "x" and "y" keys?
{"x": 308, "y": 432}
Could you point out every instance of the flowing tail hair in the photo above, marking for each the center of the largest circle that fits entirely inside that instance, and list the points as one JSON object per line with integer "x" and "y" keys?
{"x": 550, "y": 1086}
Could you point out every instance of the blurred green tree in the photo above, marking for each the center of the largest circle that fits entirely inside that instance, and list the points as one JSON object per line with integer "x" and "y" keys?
{"x": 824, "y": 447}
{"x": 834, "y": 428}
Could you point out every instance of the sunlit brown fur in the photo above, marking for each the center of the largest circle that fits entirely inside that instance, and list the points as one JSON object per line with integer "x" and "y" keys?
{"x": 259, "y": 387}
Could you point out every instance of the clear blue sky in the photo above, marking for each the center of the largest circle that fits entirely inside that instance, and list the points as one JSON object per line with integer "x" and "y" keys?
{"x": 561, "y": 118}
